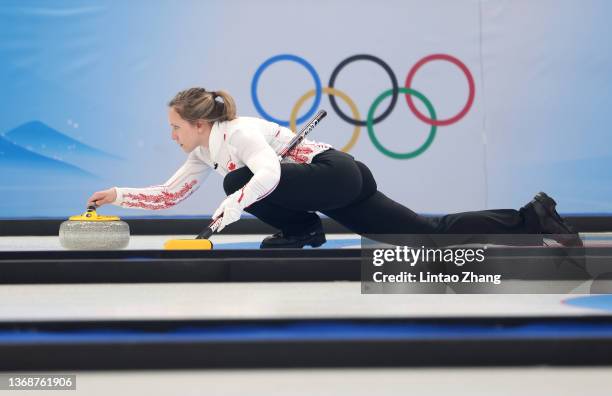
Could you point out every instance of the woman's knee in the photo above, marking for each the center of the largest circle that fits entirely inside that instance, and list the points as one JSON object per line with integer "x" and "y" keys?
{"x": 235, "y": 180}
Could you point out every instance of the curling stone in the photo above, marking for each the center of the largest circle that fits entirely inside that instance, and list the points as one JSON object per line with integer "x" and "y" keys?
{"x": 90, "y": 231}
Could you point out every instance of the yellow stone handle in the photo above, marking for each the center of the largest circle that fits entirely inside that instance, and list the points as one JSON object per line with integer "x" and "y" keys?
{"x": 92, "y": 215}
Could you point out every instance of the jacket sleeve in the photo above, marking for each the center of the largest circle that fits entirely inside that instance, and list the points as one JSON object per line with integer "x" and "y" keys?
{"x": 252, "y": 149}
{"x": 185, "y": 181}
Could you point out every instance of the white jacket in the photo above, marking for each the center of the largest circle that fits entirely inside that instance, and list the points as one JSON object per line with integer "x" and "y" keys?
{"x": 244, "y": 141}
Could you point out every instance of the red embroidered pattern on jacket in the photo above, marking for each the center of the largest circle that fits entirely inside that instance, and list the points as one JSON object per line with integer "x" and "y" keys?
{"x": 300, "y": 154}
{"x": 231, "y": 166}
{"x": 144, "y": 205}
{"x": 159, "y": 201}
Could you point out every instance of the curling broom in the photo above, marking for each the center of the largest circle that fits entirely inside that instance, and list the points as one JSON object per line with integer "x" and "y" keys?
{"x": 201, "y": 242}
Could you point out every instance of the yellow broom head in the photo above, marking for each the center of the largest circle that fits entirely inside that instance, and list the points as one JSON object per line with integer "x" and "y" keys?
{"x": 188, "y": 244}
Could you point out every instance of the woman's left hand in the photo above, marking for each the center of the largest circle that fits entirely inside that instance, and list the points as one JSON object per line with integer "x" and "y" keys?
{"x": 230, "y": 209}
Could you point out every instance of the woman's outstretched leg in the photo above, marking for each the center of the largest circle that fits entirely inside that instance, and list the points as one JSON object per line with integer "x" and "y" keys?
{"x": 373, "y": 213}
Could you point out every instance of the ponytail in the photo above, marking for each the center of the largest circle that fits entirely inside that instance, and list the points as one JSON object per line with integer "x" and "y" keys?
{"x": 198, "y": 104}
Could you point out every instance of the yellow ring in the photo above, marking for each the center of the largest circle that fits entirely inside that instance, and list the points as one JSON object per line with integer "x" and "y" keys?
{"x": 329, "y": 91}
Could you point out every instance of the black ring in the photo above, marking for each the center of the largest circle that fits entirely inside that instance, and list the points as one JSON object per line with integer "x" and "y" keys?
{"x": 332, "y": 79}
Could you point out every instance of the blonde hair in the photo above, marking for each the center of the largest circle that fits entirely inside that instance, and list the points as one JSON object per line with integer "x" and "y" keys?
{"x": 198, "y": 104}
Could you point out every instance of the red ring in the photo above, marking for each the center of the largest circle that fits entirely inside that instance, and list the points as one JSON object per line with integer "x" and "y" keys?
{"x": 465, "y": 71}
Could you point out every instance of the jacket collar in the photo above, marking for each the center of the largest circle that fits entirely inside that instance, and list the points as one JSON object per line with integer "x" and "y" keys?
{"x": 215, "y": 141}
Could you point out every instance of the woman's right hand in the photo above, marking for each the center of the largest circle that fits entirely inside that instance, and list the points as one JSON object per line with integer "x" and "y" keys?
{"x": 104, "y": 197}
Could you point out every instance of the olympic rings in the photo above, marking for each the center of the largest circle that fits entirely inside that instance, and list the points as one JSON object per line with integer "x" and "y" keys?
{"x": 293, "y": 58}
{"x": 370, "y": 121}
{"x": 383, "y": 149}
{"x": 468, "y": 75}
{"x": 374, "y": 59}
{"x": 329, "y": 91}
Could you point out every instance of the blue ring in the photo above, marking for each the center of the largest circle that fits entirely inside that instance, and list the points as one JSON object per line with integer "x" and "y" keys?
{"x": 293, "y": 58}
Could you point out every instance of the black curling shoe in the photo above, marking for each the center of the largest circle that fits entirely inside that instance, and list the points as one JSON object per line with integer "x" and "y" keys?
{"x": 280, "y": 241}
{"x": 552, "y": 223}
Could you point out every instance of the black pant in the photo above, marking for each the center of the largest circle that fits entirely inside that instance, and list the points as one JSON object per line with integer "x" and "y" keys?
{"x": 345, "y": 190}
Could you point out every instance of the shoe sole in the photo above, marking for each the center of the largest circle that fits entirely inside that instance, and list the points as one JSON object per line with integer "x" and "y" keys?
{"x": 545, "y": 200}
{"x": 314, "y": 243}
{"x": 571, "y": 239}
{"x": 318, "y": 242}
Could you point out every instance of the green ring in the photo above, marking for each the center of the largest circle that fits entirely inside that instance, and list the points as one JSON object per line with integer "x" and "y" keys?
{"x": 383, "y": 149}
